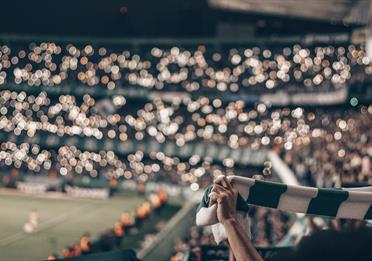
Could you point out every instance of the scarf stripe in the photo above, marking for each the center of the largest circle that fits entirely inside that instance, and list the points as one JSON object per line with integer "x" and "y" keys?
{"x": 266, "y": 194}
{"x": 296, "y": 199}
{"x": 340, "y": 203}
{"x": 369, "y": 213}
{"x": 354, "y": 208}
{"x": 326, "y": 202}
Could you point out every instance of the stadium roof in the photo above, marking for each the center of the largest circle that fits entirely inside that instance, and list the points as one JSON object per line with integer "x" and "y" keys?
{"x": 350, "y": 11}
{"x": 179, "y": 18}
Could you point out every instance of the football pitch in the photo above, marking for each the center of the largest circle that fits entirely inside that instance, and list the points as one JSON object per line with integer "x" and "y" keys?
{"x": 62, "y": 221}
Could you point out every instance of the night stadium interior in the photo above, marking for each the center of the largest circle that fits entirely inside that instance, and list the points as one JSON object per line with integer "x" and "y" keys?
{"x": 116, "y": 116}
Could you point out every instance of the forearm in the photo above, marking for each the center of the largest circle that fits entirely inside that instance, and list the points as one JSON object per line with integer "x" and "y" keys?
{"x": 231, "y": 256}
{"x": 239, "y": 242}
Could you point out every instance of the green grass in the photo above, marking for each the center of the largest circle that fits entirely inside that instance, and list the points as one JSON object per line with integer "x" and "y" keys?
{"x": 61, "y": 222}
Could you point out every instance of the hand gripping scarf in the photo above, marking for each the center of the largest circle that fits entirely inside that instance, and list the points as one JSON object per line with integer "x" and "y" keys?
{"x": 354, "y": 203}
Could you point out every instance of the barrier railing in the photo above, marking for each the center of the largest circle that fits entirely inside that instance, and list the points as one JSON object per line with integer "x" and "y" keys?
{"x": 161, "y": 248}
{"x": 122, "y": 255}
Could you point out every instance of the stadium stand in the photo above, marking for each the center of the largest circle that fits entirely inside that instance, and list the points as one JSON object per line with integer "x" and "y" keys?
{"x": 200, "y": 69}
{"x": 108, "y": 144}
{"x": 46, "y": 122}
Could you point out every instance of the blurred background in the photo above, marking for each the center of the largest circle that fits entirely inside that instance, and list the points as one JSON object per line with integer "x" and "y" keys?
{"x": 116, "y": 115}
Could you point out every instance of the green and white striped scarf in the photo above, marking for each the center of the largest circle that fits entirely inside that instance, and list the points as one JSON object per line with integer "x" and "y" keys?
{"x": 355, "y": 203}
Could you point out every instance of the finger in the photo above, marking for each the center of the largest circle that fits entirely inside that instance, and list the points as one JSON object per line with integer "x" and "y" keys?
{"x": 221, "y": 197}
{"x": 212, "y": 198}
{"x": 219, "y": 189}
{"x": 212, "y": 202}
{"x": 223, "y": 181}
{"x": 216, "y": 187}
{"x": 228, "y": 184}
{"x": 218, "y": 180}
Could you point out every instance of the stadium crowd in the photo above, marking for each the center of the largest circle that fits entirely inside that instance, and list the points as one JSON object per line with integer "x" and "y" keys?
{"x": 339, "y": 152}
{"x": 70, "y": 162}
{"x": 191, "y": 68}
{"x": 337, "y": 138}
{"x": 325, "y": 147}
{"x": 296, "y": 133}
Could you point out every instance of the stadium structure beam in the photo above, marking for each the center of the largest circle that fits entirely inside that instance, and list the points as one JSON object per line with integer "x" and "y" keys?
{"x": 369, "y": 33}
{"x": 329, "y": 10}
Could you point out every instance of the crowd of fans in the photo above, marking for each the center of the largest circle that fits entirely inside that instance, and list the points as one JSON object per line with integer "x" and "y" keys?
{"x": 69, "y": 162}
{"x": 337, "y": 139}
{"x": 112, "y": 238}
{"x": 192, "y": 68}
{"x": 295, "y": 132}
{"x": 326, "y": 147}
{"x": 339, "y": 151}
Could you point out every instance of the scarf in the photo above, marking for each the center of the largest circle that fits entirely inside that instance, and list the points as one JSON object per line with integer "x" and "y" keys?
{"x": 352, "y": 203}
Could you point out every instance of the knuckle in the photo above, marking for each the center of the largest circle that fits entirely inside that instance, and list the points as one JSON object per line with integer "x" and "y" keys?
{"x": 224, "y": 196}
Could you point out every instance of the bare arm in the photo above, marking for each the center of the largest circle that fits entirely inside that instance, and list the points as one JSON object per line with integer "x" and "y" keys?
{"x": 240, "y": 244}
